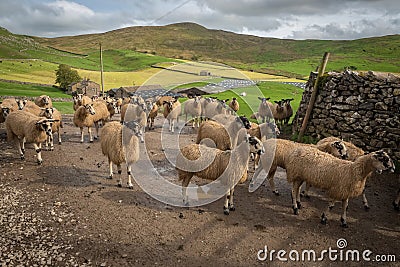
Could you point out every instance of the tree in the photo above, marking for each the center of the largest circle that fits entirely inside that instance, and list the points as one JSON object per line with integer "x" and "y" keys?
{"x": 65, "y": 76}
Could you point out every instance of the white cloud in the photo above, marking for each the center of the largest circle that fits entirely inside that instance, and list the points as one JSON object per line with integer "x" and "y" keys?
{"x": 300, "y": 19}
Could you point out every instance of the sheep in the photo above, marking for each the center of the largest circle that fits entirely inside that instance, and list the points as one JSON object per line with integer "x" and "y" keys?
{"x": 193, "y": 108}
{"x": 152, "y": 115}
{"x": 13, "y": 104}
{"x": 165, "y": 98}
{"x": 53, "y": 113}
{"x": 341, "y": 179}
{"x": 234, "y": 105}
{"x": 137, "y": 112}
{"x": 283, "y": 148}
{"x": 212, "y": 163}
{"x": 264, "y": 109}
{"x": 278, "y": 112}
{"x": 81, "y": 100}
{"x": 288, "y": 110}
{"x": 215, "y": 108}
{"x": 84, "y": 117}
{"x": 172, "y": 110}
{"x": 263, "y": 132}
{"x": 119, "y": 142}
{"x": 44, "y": 101}
{"x": 27, "y": 127}
{"x": 118, "y": 105}
{"x": 102, "y": 114}
{"x": 353, "y": 152}
{"x": 111, "y": 107}
{"x": 224, "y": 137}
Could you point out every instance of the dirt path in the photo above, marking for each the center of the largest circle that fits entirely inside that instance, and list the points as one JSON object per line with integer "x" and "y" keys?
{"x": 66, "y": 213}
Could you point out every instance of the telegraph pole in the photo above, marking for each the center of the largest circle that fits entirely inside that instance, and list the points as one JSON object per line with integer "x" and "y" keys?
{"x": 101, "y": 71}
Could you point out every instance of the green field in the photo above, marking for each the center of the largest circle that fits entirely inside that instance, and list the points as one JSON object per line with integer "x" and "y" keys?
{"x": 28, "y": 90}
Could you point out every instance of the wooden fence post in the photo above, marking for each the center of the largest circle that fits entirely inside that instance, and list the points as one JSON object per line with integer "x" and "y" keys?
{"x": 310, "y": 106}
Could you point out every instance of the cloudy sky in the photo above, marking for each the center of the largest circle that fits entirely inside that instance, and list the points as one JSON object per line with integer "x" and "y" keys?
{"x": 295, "y": 19}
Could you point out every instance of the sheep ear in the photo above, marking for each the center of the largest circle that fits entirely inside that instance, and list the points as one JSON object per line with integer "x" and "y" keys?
{"x": 260, "y": 98}
{"x": 226, "y": 100}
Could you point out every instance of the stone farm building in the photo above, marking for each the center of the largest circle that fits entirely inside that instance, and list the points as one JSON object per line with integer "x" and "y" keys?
{"x": 85, "y": 86}
{"x": 144, "y": 91}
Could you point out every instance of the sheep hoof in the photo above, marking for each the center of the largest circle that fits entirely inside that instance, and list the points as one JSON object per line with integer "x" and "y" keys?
{"x": 110, "y": 177}
{"x": 298, "y": 204}
{"x": 130, "y": 186}
{"x": 232, "y": 208}
{"x": 366, "y": 208}
{"x": 276, "y": 193}
{"x": 95, "y": 137}
{"x": 295, "y": 211}
{"x": 226, "y": 211}
{"x": 59, "y": 143}
{"x": 39, "y": 162}
{"x": 323, "y": 219}
{"x": 119, "y": 172}
{"x": 396, "y": 206}
{"x": 22, "y": 157}
{"x": 119, "y": 185}
{"x": 343, "y": 223}
{"x": 91, "y": 141}
{"x": 52, "y": 148}
{"x": 141, "y": 141}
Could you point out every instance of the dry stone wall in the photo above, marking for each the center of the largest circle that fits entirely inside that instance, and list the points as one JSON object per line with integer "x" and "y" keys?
{"x": 363, "y": 108}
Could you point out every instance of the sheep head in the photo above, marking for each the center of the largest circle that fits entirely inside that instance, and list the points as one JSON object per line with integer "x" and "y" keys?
{"x": 340, "y": 150}
{"x": 5, "y": 112}
{"x": 47, "y": 112}
{"x": 89, "y": 108}
{"x": 256, "y": 146}
{"x": 382, "y": 161}
{"x": 245, "y": 121}
{"x": 21, "y": 103}
{"x": 45, "y": 125}
{"x": 134, "y": 126}
{"x": 264, "y": 100}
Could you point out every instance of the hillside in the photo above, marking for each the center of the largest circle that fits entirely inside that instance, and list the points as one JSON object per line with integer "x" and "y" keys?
{"x": 136, "y": 48}
{"x": 277, "y": 56}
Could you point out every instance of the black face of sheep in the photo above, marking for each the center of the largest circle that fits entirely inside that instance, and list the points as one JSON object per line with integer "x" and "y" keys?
{"x": 48, "y": 112}
{"x": 342, "y": 150}
{"x": 46, "y": 125}
{"x": 257, "y": 145}
{"x": 5, "y": 112}
{"x": 134, "y": 126}
{"x": 383, "y": 162}
{"x": 245, "y": 121}
{"x": 20, "y": 104}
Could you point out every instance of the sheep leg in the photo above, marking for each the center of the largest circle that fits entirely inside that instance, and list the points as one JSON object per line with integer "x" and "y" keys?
{"x": 59, "y": 136}
{"x": 38, "y": 149}
{"x": 51, "y": 141}
{"x": 129, "y": 171}
{"x": 23, "y": 141}
{"x": 231, "y": 206}
{"x": 82, "y": 134}
{"x": 365, "y": 201}
{"x": 296, "y": 196}
{"x": 256, "y": 161}
{"x": 90, "y": 135}
{"x": 119, "y": 181}
{"x": 270, "y": 178}
{"x": 142, "y": 130}
{"x": 305, "y": 192}
{"x": 96, "y": 126}
{"x": 20, "y": 149}
{"x": 185, "y": 183}
{"x": 343, "y": 221}
{"x": 256, "y": 173}
{"x": 110, "y": 167}
{"x": 226, "y": 204}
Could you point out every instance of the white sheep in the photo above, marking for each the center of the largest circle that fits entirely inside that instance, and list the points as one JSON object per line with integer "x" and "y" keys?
{"x": 212, "y": 163}
{"x": 353, "y": 152}
{"x": 172, "y": 110}
{"x": 265, "y": 109}
{"x": 44, "y": 101}
{"x": 193, "y": 108}
{"x": 53, "y": 113}
{"x": 215, "y": 108}
{"x": 224, "y": 137}
{"x": 341, "y": 179}
{"x": 83, "y": 117}
{"x": 283, "y": 148}
{"x": 119, "y": 142}
{"x": 135, "y": 112}
{"x": 24, "y": 127}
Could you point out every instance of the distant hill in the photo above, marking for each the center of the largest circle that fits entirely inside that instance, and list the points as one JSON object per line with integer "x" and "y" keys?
{"x": 271, "y": 55}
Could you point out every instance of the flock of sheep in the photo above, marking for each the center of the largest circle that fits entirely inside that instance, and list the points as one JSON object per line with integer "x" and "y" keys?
{"x": 224, "y": 146}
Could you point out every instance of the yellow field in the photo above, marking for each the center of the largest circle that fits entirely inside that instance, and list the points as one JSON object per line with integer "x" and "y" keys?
{"x": 38, "y": 71}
